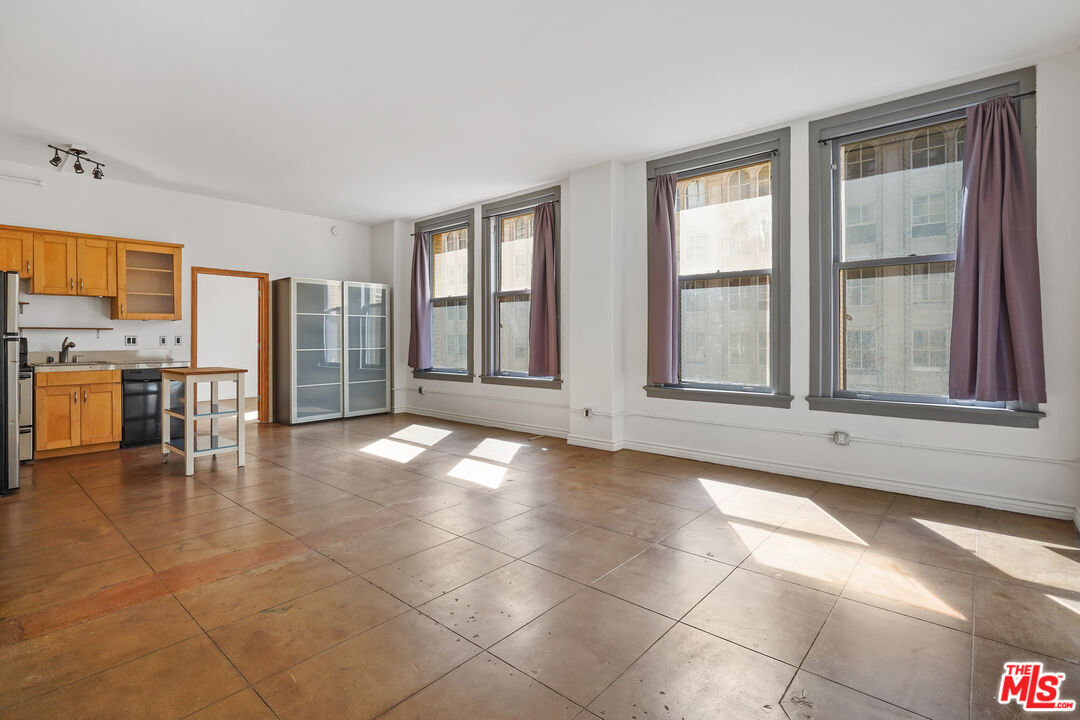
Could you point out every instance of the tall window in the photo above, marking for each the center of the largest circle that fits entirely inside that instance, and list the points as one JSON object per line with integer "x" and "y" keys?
{"x": 449, "y": 242}
{"x": 731, "y": 259}
{"x": 508, "y": 263}
{"x": 905, "y": 280}
{"x": 886, "y": 197}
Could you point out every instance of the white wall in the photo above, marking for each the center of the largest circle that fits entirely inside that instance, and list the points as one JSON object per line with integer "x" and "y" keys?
{"x": 215, "y": 233}
{"x": 603, "y": 356}
{"x": 228, "y": 330}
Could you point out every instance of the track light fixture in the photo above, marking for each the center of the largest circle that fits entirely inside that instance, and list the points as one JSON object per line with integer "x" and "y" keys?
{"x": 79, "y": 154}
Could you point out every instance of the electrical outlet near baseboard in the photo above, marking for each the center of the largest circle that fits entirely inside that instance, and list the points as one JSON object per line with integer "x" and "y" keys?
{"x": 163, "y": 340}
{"x": 131, "y": 340}
{"x": 178, "y": 340}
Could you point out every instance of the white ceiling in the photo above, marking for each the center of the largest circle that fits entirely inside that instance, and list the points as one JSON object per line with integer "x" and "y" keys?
{"x": 371, "y": 111}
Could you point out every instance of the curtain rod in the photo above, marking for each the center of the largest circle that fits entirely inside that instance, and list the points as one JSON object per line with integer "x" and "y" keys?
{"x": 488, "y": 217}
{"x": 1018, "y": 96}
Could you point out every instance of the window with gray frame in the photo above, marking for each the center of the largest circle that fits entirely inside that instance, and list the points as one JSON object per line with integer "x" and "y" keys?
{"x": 886, "y": 200}
{"x": 450, "y": 241}
{"x": 507, "y": 263}
{"x": 731, "y": 225}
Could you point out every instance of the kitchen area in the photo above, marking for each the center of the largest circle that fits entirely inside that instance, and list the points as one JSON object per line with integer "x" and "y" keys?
{"x": 69, "y": 390}
{"x": 66, "y": 400}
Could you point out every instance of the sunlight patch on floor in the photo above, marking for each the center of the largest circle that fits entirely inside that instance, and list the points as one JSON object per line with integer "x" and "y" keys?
{"x": 481, "y": 473}
{"x": 421, "y": 434}
{"x": 392, "y": 450}
{"x": 497, "y": 450}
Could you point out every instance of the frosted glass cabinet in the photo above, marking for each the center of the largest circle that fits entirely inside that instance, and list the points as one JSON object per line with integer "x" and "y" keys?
{"x": 331, "y": 344}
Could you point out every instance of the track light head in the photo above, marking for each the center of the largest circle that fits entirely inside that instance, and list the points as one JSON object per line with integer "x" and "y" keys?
{"x": 97, "y": 173}
{"x": 78, "y": 167}
{"x": 55, "y": 162}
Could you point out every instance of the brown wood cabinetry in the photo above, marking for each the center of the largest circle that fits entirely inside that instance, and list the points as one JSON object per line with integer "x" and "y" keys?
{"x": 17, "y": 252}
{"x": 142, "y": 277}
{"x": 148, "y": 286}
{"x": 72, "y": 265}
{"x": 77, "y": 412}
{"x": 96, "y": 267}
{"x": 55, "y": 260}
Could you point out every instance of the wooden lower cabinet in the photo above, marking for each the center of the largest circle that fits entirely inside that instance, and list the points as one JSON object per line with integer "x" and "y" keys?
{"x": 72, "y": 417}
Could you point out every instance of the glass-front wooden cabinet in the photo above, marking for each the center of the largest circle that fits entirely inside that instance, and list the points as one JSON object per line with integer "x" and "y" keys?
{"x": 367, "y": 337}
{"x": 331, "y": 345}
{"x": 148, "y": 282}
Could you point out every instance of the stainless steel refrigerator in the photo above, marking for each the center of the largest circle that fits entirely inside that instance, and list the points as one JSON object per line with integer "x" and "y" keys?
{"x": 9, "y": 380}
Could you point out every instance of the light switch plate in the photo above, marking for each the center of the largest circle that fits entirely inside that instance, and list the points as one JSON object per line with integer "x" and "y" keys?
{"x": 131, "y": 339}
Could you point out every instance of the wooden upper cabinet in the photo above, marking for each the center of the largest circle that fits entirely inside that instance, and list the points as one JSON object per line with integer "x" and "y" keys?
{"x": 148, "y": 282}
{"x": 96, "y": 263}
{"x": 17, "y": 252}
{"x": 55, "y": 264}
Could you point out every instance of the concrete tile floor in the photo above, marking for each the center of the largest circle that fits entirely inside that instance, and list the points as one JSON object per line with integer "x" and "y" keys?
{"x": 407, "y": 567}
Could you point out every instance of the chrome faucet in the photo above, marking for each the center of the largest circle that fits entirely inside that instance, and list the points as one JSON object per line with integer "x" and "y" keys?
{"x": 65, "y": 350}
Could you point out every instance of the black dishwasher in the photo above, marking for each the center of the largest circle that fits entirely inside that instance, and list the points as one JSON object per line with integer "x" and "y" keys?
{"x": 142, "y": 407}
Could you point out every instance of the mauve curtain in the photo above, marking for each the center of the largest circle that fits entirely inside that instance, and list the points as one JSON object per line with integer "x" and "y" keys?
{"x": 997, "y": 341}
{"x": 663, "y": 284}
{"x": 543, "y": 330}
{"x": 420, "y": 306}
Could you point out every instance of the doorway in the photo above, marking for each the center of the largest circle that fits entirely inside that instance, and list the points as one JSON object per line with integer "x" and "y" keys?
{"x": 235, "y": 325}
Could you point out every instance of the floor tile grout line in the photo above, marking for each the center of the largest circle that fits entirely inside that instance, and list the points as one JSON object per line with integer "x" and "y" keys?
{"x": 637, "y": 500}
{"x": 836, "y": 602}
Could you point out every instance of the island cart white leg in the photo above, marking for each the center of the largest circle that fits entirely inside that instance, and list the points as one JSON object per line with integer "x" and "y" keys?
{"x": 213, "y": 409}
{"x": 166, "y": 425}
{"x": 241, "y": 409}
{"x": 189, "y": 425}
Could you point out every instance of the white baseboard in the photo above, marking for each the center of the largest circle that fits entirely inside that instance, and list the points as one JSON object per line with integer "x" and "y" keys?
{"x": 596, "y": 443}
{"x": 969, "y": 497}
{"x": 530, "y": 428}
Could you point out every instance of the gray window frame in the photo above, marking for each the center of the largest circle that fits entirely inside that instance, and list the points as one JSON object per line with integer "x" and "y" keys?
{"x": 491, "y": 215}
{"x": 425, "y": 228}
{"x": 775, "y": 145}
{"x": 825, "y": 139}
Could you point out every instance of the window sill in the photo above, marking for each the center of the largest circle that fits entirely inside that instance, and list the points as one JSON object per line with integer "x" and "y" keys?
{"x": 733, "y": 397}
{"x": 436, "y": 375}
{"x": 548, "y": 383}
{"x": 928, "y": 411}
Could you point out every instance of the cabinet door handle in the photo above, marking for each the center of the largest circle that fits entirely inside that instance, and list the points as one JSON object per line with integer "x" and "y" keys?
{"x": 72, "y": 283}
{"x": 27, "y": 267}
{"x": 121, "y": 308}
{"x": 81, "y": 284}
{"x": 84, "y": 398}
{"x": 76, "y": 397}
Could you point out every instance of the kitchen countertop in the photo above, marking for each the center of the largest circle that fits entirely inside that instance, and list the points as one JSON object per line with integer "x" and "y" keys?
{"x": 105, "y": 365}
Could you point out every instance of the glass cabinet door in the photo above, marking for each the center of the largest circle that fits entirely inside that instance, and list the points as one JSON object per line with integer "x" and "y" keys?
{"x": 317, "y": 349}
{"x": 367, "y": 335}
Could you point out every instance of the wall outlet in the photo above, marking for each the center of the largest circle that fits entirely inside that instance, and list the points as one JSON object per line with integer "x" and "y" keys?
{"x": 131, "y": 340}
{"x": 841, "y": 438}
{"x": 420, "y": 390}
{"x": 178, "y": 340}
{"x": 163, "y": 340}
{"x": 587, "y": 412}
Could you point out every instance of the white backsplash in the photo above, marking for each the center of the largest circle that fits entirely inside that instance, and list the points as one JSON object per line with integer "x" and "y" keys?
{"x": 80, "y": 312}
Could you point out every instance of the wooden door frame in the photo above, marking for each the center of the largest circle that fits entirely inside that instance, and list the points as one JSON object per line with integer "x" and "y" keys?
{"x": 264, "y": 328}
